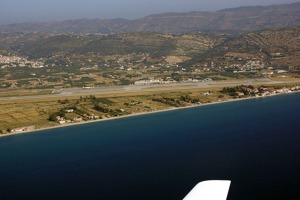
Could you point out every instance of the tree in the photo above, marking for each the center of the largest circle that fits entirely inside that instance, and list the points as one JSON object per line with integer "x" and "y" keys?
{"x": 101, "y": 109}
{"x": 52, "y": 117}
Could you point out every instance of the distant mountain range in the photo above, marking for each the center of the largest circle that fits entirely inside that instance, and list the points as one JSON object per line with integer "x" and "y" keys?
{"x": 229, "y": 21}
{"x": 278, "y": 47}
{"x": 45, "y": 45}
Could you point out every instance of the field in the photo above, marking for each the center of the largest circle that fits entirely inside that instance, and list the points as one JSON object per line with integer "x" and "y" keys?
{"x": 20, "y": 113}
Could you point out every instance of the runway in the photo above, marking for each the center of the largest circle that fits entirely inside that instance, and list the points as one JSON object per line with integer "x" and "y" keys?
{"x": 70, "y": 92}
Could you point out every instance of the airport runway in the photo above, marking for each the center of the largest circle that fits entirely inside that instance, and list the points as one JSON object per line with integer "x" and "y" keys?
{"x": 69, "y": 92}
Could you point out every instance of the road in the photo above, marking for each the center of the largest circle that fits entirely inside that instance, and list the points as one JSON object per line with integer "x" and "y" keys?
{"x": 69, "y": 92}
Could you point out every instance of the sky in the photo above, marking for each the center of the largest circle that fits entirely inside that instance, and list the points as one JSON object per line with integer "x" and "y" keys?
{"x": 18, "y": 11}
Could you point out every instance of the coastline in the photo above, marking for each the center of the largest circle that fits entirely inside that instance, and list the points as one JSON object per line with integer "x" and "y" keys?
{"x": 139, "y": 114}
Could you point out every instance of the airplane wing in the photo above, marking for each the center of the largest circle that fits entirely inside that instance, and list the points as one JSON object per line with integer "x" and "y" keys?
{"x": 209, "y": 190}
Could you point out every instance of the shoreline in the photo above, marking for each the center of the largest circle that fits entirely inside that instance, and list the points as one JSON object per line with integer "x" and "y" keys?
{"x": 139, "y": 114}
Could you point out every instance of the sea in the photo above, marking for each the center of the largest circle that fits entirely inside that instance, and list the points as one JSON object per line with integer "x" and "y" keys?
{"x": 254, "y": 143}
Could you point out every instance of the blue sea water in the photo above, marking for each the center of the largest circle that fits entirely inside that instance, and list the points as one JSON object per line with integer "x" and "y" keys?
{"x": 254, "y": 143}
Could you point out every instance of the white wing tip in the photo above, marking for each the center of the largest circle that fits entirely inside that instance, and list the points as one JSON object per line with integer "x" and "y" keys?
{"x": 209, "y": 190}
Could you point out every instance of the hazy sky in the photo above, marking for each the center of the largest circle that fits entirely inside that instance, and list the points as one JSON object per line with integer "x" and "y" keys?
{"x": 15, "y": 11}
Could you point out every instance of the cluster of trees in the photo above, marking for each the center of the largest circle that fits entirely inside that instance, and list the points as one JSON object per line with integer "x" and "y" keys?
{"x": 100, "y": 108}
{"x": 114, "y": 112}
{"x": 99, "y": 104}
{"x": 53, "y": 116}
{"x": 169, "y": 101}
{"x": 132, "y": 103}
{"x": 189, "y": 99}
{"x": 177, "y": 102}
{"x": 98, "y": 101}
{"x": 240, "y": 88}
{"x": 5, "y": 85}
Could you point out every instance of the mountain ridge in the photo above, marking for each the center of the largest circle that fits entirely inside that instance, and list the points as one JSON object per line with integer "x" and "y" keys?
{"x": 229, "y": 21}
{"x": 278, "y": 46}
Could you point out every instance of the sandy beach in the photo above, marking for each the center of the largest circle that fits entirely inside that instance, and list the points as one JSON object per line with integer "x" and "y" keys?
{"x": 138, "y": 114}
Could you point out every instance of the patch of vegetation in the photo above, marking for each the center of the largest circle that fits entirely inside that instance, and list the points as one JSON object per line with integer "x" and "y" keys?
{"x": 53, "y": 116}
{"x": 189, "y": 99}
{"x": 100, "y": 108}
{"x": 103, "y": 101}
{"x": 232, "y": 91}
{"x": 87, "y": 79}
{"x": 169, "y": 101}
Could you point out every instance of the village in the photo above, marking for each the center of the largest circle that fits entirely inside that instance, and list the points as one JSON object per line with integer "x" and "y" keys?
{"x": 17, "y": 61}
{"x": 242, "y": 91}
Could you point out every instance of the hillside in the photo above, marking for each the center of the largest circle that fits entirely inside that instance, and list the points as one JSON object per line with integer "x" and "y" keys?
{"x": 157, "y": 45}
{"x": 103, "y": 26}
{"x": 236, "y": 20}
{"x": 275, "y": 47}
{"x": 230, "y": 21}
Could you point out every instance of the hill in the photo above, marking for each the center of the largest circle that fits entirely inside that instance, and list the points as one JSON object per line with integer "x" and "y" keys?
{"x": 275, "y": 47}
{"x": 272, "y": 46}
{"x": 155, "y": 44}
{"x": 236, "y": 20}
{"x": 230, "y": 21}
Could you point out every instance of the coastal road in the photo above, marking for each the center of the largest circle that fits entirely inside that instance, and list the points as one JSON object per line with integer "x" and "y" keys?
{"x": 69, "y": 92}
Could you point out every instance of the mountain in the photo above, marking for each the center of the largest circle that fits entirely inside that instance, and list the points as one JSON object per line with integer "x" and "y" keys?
{"x": 232, "y": 21}
{"x": 276, "y": 47}
{"x": 236, "y": 20}
{"x": 37, "y": 45}
{"x": 103, "y": 26}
